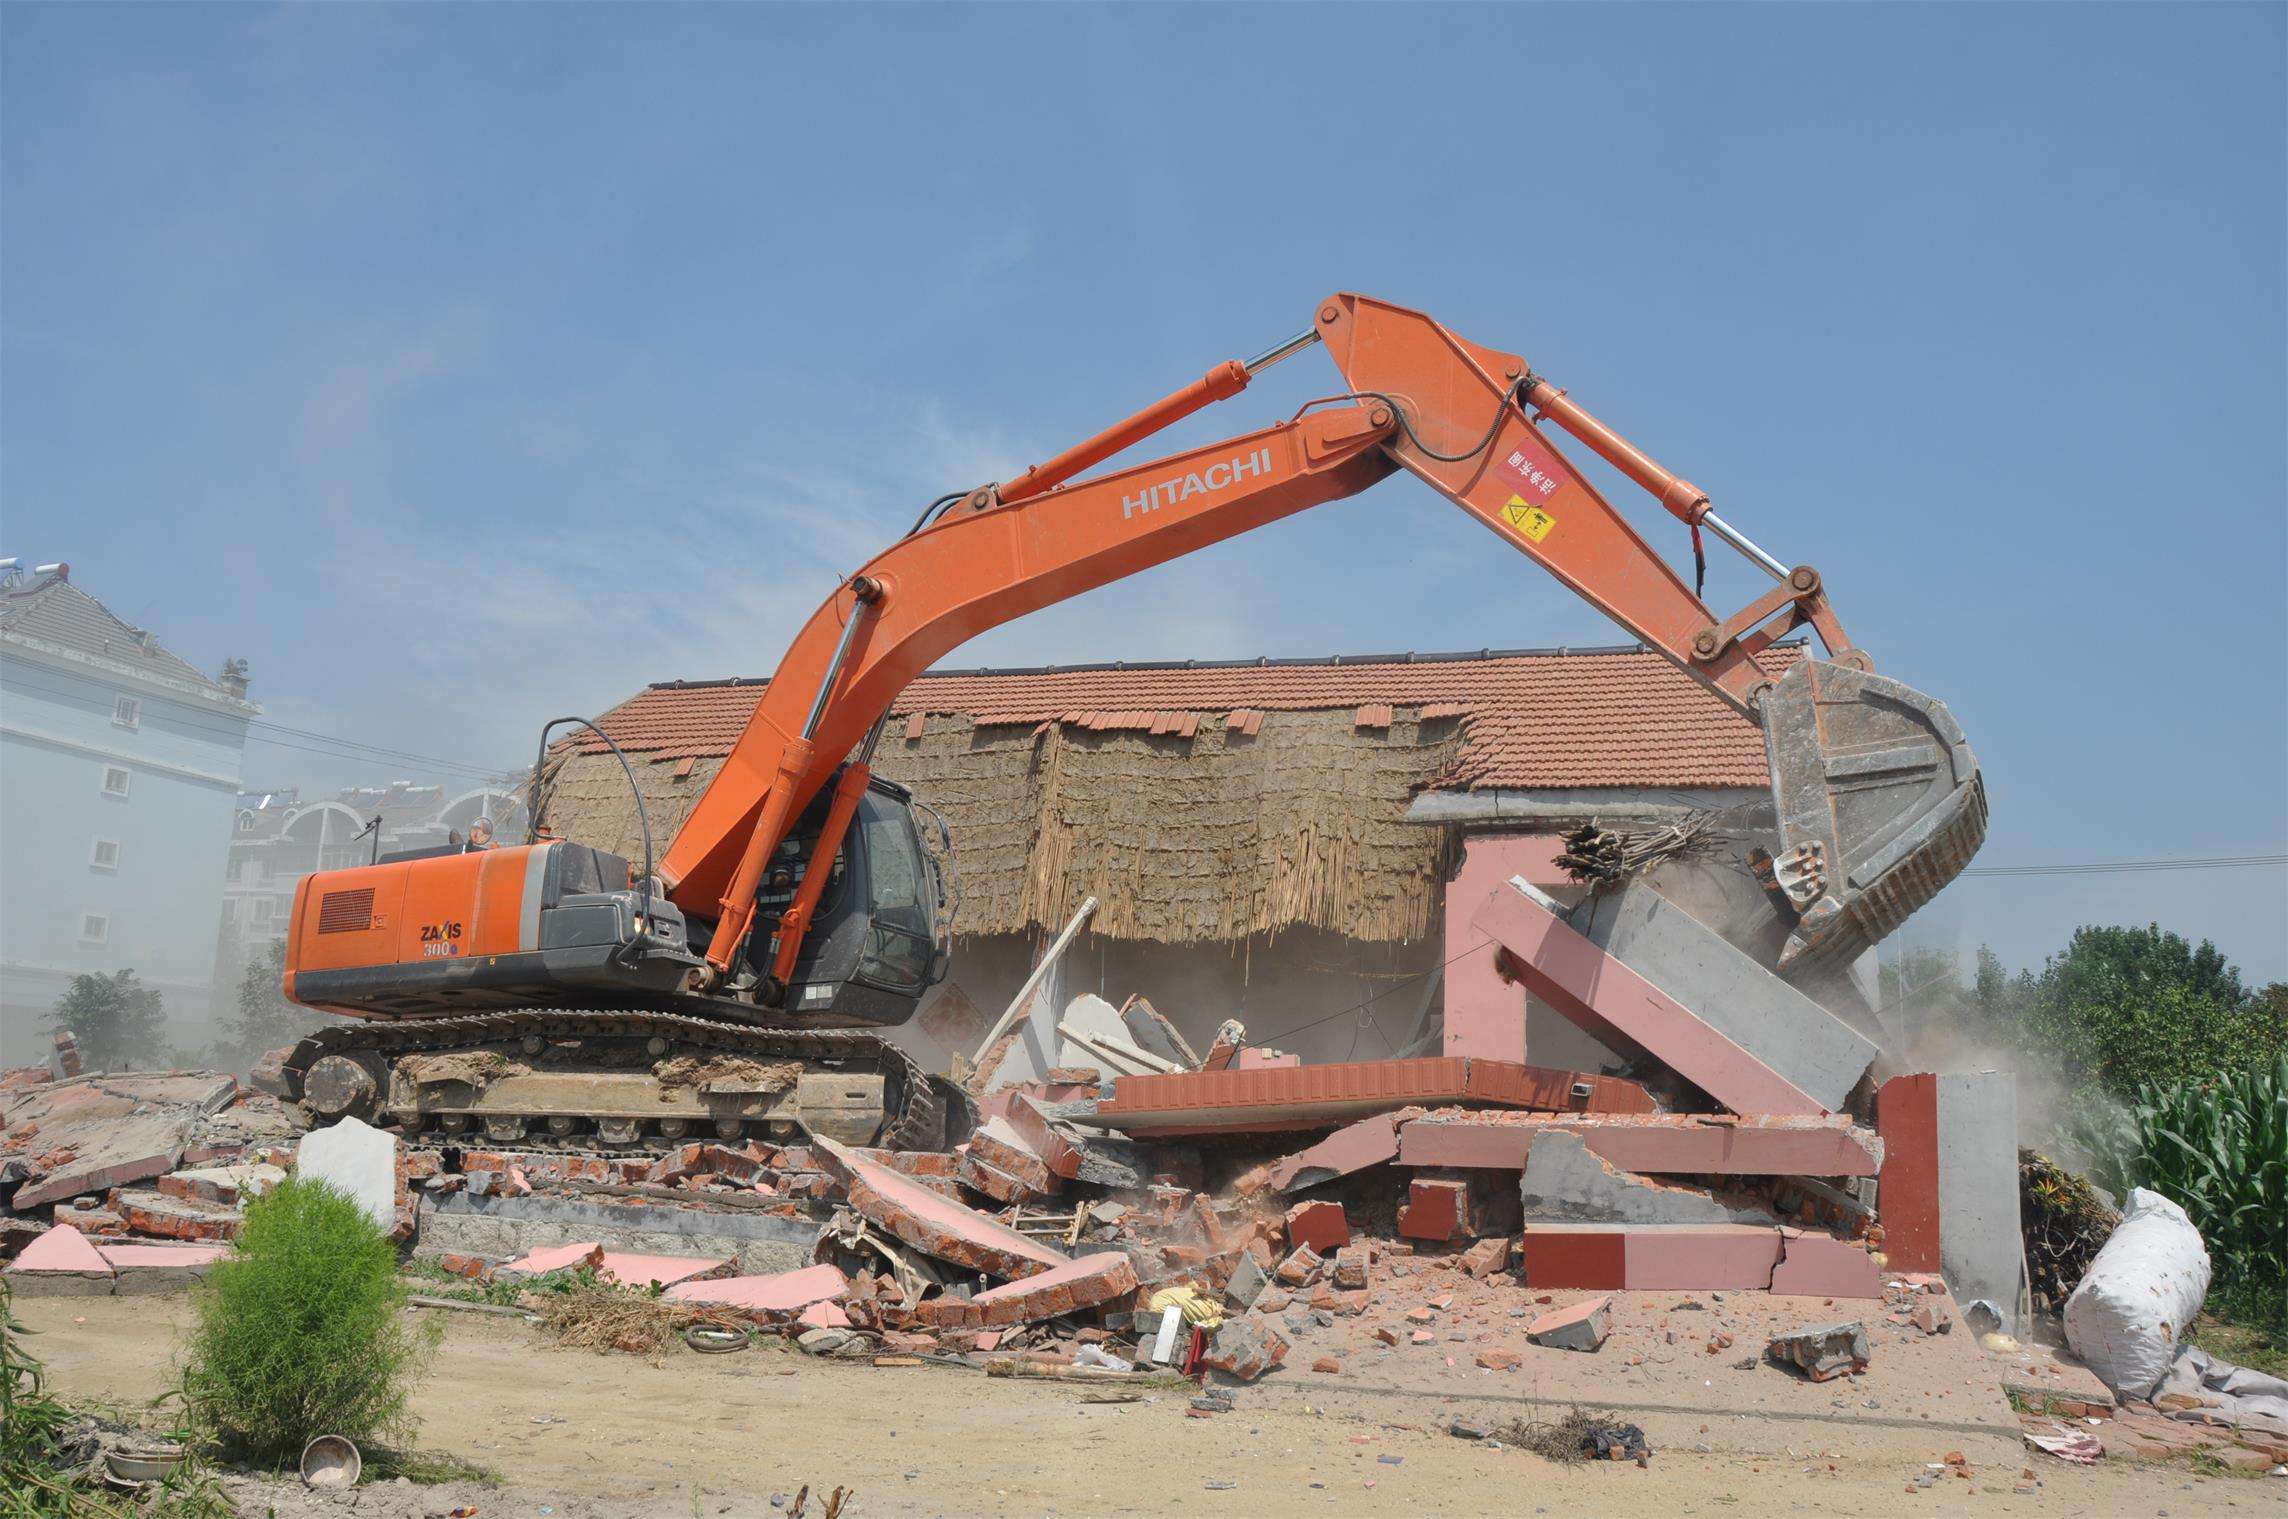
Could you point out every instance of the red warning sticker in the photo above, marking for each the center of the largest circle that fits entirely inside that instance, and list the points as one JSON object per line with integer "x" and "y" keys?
{"x": 1531, "y": 468}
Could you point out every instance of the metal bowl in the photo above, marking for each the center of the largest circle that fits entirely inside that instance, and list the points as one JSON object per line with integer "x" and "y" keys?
{"x": 331, "y": 1461}
{"x": 148, "y": 1463}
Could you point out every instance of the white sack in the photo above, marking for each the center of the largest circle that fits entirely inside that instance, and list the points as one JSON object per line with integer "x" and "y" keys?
{"x": 2140, "y": 1295}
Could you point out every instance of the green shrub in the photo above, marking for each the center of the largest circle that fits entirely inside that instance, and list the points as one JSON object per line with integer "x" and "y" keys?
{"x": 302, "y": 1331}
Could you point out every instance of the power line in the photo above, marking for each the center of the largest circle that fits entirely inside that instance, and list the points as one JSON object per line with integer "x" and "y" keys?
{"x": 2121, "y": 867}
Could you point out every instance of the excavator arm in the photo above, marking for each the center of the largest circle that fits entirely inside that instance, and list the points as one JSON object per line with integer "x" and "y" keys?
{"x": 1878, "y": 797}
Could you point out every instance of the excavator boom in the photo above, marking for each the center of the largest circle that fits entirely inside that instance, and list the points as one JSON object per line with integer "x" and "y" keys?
{"x": 1878, "y": 797}
{"x": 698, "y": 1016}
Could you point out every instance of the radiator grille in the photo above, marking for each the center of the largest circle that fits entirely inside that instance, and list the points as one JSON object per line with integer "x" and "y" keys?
{"x": 346, "y": 912}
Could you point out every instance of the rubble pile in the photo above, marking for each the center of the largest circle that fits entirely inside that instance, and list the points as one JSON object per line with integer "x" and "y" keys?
{"x": 1238, "y": 1216}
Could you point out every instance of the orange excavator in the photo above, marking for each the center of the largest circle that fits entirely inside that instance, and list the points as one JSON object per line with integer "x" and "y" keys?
{"x": 555, "y": 992}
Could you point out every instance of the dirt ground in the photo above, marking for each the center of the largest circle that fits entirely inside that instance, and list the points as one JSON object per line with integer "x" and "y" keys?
{"x": 581, "y": 1436}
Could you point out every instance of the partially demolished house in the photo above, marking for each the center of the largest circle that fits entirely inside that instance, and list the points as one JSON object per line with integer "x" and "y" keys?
{"x": 1189, "y": 1148}
{"x": 1267, "y": 840}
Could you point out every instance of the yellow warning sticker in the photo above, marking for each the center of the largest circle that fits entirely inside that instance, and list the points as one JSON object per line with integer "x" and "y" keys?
{"x": 1533, "y": 521}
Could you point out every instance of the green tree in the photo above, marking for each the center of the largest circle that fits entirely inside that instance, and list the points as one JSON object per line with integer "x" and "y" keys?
{"x": 118, "y": 1021}
{"x": 2124, "y": 1006}
{"x": 263, "y": 1019}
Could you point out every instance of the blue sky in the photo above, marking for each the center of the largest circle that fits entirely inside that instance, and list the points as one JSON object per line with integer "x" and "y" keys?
{"x": 460, "y": 367}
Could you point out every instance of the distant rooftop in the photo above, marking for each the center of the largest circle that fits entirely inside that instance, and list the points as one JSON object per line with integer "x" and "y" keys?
{"x": 46, "y": 608}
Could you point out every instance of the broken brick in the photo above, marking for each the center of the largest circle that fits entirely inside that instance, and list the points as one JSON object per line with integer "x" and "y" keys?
{"x": 1320, "y": 1224}
{"x": 1245, "y": 1348}
{"x": 999, "y": 1146}
{"x": 1351, "y": 1267}
{"x": 164, "y": 1217}
{"x": 934, "y": 1225}
{"x": 1299, "y": 1268}
{"x": 1822, "y": 1351}
{"x": 1075, "y": 1286}
{"x": 1583, "y": 1326}
{"x": 1435, "y": 1210}
{"x": 1487, "y": 1258}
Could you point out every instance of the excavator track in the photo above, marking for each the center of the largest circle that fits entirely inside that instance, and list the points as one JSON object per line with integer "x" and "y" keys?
{"x": 589, "y": 1080}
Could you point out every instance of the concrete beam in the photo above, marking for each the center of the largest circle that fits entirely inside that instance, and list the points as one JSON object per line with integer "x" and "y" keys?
{"x": 1743, "y": 999}
{"x": 1653, "y": 1143}
{"x": 1598, "y": 990}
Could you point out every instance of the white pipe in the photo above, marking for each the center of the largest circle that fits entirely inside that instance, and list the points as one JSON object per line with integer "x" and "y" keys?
{"x": 1119, "y": 1052}
{"x": 1033, "y": 981}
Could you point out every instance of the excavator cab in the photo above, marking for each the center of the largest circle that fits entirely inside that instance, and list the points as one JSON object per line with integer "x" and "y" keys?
{"x": 879, "y": 936}
{"x": 558, "y": 923}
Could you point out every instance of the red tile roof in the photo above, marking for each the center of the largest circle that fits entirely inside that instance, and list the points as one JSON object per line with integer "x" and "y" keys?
{"x": 1535, "y": 718}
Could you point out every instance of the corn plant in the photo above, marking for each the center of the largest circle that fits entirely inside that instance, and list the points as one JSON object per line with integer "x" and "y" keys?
{"x": 2217, "y": 1146}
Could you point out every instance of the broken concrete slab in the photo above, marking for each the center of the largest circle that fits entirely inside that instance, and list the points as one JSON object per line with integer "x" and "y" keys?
{"x": 62, "y": 1249}
{"x": 222, "y": 1184}
{"x": 1699, "y": 1144}
{"x": 501, "y": 1228}
{"x": 1096, "y": 1020}
{"x": 778, "y": 1294}
{"x": 1581, "y": 1326}
{"x": 1368, "y": 1142}
{"x": 92, "y": 1151}
{"x": 629, "y": 1269}
{"x": 356, "y": 1159}
{"x": 1746, "y": 1002}
{"x": 1279, "y": 1098}
{"x": 1565, "y": 1182}
{"x": 933, "y": 1224}
{"x": 161, "y": 1268}
{"x": 1090, "y": 1281}
{"x": 1606, "y": 997}
{"x": 584, "y": 1254}
{"x": 1244, "y": 1288}
{"x": 1823, "y": 1351}
{"x": 1155, "y": 1035}
{"x": 162, "y": 1257}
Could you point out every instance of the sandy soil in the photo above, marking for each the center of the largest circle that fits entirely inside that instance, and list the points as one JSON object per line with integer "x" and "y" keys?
{"x": 581, "y": 1436}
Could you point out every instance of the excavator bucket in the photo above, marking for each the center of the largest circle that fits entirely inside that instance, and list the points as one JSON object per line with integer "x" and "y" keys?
{"x": 1880, "y": 804}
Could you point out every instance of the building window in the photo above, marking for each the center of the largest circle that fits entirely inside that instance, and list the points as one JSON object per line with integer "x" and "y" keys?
{"x": 262, "y": 909}
{"x": 94, "y": 928}
{"x": 104, "y": 855}
{"x": 246, "y": 822}
{"x": 116, "y": 779}
{"x": 127, "y": 712}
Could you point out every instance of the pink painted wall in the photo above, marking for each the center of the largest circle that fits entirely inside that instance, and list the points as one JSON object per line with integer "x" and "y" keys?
{"x": 1485, "y": 1015}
